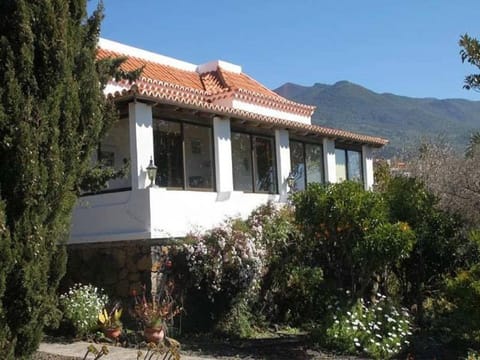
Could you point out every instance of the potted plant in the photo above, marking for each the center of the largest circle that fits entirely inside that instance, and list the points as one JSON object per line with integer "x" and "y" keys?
{"x": 110, "y": 322}
{"x": 153, "y": 316}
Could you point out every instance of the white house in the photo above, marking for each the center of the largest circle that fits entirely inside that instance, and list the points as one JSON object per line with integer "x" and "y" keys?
{"x": 222, "y": 143}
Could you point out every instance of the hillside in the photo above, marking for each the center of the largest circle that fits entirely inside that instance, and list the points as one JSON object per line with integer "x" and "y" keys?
{"x": 403, "y": 120}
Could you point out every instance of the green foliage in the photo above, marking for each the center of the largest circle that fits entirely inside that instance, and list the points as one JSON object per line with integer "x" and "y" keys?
{"x": 440, "y": 247}
{"x": 52, "y": 114}
{"x": 238, "y": 321}
{"x": 377, "y": 328}
{"x": 460, "y": 312}
{"x": 96, "y": 178}
{"x": 347, "y": 233}
{"x": 470, "y": 53}
{"x": 6, "y": 259}
{"x": 81, "y": 306}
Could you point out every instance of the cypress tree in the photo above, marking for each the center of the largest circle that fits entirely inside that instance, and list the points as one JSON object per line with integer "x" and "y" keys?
{"x": 52, "y": 115}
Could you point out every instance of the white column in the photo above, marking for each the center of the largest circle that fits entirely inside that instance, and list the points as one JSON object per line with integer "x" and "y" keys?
{"x": 282, "y": 150}
{"x": 223, "y": 154}
{"x": 330, "y": 165}
{"x": 141, "y": 142}
{"x": 367, "y": 165}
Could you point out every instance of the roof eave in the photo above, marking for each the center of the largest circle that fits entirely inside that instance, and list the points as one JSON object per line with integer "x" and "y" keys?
{"x": 278, "y": 123}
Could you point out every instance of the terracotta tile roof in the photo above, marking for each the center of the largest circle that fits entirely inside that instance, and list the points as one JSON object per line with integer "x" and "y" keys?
{"x": 175, "y": 96}
{"x": 194, "y": 90}
{"x": 217, "y": 84}
{"x": 212, "y": 82}
{"x": 156, "y": 71}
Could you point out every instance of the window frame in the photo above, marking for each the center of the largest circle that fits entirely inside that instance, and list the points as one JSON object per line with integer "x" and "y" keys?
{"x": 185, "y": 187}
{"x": 304, "y": 146}
{"x": 346, "y": 149}
{"x": 253, "y": 162}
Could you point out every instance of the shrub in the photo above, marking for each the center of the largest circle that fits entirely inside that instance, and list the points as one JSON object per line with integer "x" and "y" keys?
{"x": 346, "y": 232}
{"x": 226, "y": 259}
{"x": 441, "y": 247}
{"x": 81, "y": 306}
{"x": 377, "y": 328}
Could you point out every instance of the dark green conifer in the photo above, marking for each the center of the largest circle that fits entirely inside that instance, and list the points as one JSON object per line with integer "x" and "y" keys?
{"x": 52, "y": 115}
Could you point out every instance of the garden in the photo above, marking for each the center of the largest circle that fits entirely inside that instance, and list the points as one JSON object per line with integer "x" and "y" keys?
{"x": 378, "y": 274}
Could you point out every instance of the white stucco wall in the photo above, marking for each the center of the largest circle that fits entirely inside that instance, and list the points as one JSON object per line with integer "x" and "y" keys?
{"x": 154, "y": 213}
{"x": 223, "y": 154}
{"x": 111, "y": 217}
{"x": 141, "y": 142}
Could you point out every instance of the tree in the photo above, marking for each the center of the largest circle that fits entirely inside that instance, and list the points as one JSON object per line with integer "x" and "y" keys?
{"x": 470, "y": 53}
{"x": 52, "y": 114}
{"x": 452, "y": 177}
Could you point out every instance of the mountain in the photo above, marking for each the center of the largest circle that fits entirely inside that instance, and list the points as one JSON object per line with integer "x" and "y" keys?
{"x": 403, "y": 120}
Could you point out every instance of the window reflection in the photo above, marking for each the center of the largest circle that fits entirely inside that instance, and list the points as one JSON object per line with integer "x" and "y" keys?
{"x": 348, "y": 165}
{"x": 189, "y": 169}
{"x": 253, "y": 163}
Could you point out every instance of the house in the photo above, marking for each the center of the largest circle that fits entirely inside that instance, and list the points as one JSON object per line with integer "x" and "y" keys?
{"x": 222, "y": 144}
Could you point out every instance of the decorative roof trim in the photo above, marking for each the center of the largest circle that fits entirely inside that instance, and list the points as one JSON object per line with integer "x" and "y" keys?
{"x": 172, "y": 97}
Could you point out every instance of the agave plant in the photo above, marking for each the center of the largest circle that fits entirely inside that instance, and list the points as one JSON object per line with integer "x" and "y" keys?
{"x": 111, "y": 319}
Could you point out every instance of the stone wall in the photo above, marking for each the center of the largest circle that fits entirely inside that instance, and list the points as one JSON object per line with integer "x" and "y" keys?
{"x": 117, "y": 267}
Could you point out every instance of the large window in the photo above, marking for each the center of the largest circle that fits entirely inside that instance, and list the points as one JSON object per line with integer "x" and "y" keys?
{"x": 348, "y": 165}
{"x": 253, "y": 161}
{"x": 306, "y": 163}
{"x": 183, "y": 155}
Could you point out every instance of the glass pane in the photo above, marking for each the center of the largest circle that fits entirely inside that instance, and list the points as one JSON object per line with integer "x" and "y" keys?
{"x": 167, "y": 140}
{"x": 198, "y": 156}
{"x": 297, "y": 161}
{"x": 242, "y": 162}
{"x": 354, "y": 165}
{"x": 314, "y": 163}
{"x": 265, "y": 176}
{"x": 341, "y": 161}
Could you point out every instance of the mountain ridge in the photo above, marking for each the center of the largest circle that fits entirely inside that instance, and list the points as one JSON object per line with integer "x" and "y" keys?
{"x": 403, "y": 120}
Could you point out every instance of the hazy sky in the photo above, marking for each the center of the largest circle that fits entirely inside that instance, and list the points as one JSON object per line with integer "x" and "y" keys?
{"x": 405, "y": 47}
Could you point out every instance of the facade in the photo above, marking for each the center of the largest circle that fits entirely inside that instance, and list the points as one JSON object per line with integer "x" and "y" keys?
{"x": 222, "y": 143}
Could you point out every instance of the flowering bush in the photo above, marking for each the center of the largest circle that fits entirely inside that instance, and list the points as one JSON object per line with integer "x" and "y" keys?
{"x": 377, "y": 328}
{"x": 227, "y": 258}
{"x": 81, "y": 306}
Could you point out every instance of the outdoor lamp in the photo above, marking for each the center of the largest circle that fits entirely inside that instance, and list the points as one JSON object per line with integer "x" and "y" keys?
{"x": 291, "y": 181}
{"x": 151, "y": 172}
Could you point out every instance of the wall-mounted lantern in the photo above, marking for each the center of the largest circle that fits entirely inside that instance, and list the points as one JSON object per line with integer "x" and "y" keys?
{"x": 151, "y": 172}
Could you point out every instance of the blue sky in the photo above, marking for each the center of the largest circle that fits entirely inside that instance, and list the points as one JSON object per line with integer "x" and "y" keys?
{"x": 405, "y": 47}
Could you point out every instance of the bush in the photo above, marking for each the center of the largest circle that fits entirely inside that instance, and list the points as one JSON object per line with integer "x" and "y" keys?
{"x": 223, "y": 271}
{"x": 81, "y": 306}
{"x": 377, "y": 328}
{"x": 441, "y": 247}
{"x": 346, "y": 232}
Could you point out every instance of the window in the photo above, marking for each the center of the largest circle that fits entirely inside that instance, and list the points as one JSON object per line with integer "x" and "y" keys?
{"x": 314, "y": 161}
{"x": 242, "y": 162}
{"x": 306, "y": 163}
{"x": 253, "y": 162}
{"x": 348, "y": 165}
{"x": 297, "y": 164}
{"x": 183, "y": 155}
